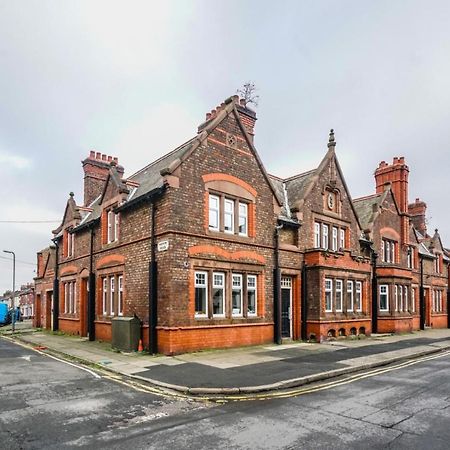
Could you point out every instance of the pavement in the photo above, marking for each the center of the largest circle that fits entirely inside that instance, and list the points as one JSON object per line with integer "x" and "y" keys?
{"x": 245, "y": 370}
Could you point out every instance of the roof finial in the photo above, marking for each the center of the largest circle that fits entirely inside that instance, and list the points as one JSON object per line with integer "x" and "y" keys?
{"x": 331, "y": 141}
{"x": 71, "y": 194}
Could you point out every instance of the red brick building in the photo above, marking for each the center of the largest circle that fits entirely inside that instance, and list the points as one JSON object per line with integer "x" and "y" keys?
{"x": 44, "y": 288}
{"x": 208, "y": 250}
{"x": 410, "y": 267}
{"x": 26, "y": 301}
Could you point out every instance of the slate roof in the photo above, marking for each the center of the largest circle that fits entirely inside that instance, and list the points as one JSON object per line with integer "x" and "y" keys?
{"x": 364, "y": 207}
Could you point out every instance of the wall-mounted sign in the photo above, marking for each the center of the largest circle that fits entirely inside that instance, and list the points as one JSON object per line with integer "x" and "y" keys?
{"x": 163, "y": 246}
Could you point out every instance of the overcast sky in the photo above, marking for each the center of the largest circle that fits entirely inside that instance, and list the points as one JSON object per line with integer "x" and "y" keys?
{"x": 134, "y": 79}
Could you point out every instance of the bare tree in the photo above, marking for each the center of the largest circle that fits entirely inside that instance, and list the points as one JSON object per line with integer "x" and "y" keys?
{"x": 248, "y": 93}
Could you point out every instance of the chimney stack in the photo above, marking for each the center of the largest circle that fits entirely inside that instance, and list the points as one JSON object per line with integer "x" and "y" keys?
{"x": 96, "y": 168}
{"x": 417, "y": 211}
{"x": 246, "y": 115}
{"x": 397, "y": 174}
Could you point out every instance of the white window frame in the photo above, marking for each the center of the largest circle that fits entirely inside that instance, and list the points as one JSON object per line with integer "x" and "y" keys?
{"x": 112, "y": 290}
{"x": 334, "y": 240}
{"x": 325, "y": 234}
{"x": 329, "y": 289}
{"x": 341, "y": 239}
{"x": 350, "y": 300}
{"x": 215, "y": 211}
{"x": 74, "y": 288}
{"x": 226, "y": 213}
{"x": 338, "y": 293}
{"x": 383, "y": 255}
{"x": 202, "y": 286}
{"x": 413, "y": 299}
{"x": 120, "y": 296}
{"x": 317, "y": 234}
{"x": 385, "y": 288}
{"x": 358, "y": 294}
{"x": 70, "y": 244}
{"x": 255, "y": 290}
{"x": 243, "y": 216}
{"x": 393, "y": 255}
{"x": 104, "y": 295}
{"x": 236, "y": 276}
{"x": 406, "y": 299}
{"x": 221, "y": 287}
{"x": 66, "y": 298}
{"x": 396, "y": 297}
{"x": 400, "y": 298}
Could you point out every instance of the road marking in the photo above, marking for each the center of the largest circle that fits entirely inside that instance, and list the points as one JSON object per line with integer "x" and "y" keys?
{"x": 95, "y": 375}
{"x": 26, "y": 358}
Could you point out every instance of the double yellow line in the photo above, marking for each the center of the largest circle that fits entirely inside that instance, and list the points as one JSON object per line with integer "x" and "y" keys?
{"x": 278, "y": 394}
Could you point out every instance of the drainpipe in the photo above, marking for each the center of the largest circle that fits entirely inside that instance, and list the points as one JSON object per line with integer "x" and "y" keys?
{"x": 91, "y": 297}
{"x": 374, "y": 257}
{"x": 421, "y": 296}
{"x": 304, "y": 307}
{"x": 277, "y": 288}
{"x": 56, "y": 289}
{"x": 153, "y": 288}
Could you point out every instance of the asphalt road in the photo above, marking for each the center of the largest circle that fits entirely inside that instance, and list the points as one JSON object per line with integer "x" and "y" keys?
{"x": 48, "y": 404}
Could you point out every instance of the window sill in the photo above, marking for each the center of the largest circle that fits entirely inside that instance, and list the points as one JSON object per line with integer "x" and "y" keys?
{"x": 230, "y": 236}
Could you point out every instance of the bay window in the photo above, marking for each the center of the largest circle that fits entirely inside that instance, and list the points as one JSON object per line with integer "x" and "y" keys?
{"x": 328, "y": 295}
{"x": 251, "y": 295}
{"x": 236, "y": 295}
{"x": 201, "y": 294}
{"x": 384, "y": 297}
{"x": 218, "y": 294}
{"x": 358, "y": 296}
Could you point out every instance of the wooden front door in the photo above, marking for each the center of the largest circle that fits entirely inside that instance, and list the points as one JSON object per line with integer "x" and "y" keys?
{"x": 84, "y": 307}
{"x": 286, "y": 307}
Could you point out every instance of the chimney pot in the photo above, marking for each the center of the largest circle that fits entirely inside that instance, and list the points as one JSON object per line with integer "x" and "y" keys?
{"x": 116, "y": 159}
{"x": 242, "y": 102}
{"x": 103, "y": 157}
{"x": 98, "y": 155}
{"x": 109, "y": 158}
{"x": 92, "y": 154}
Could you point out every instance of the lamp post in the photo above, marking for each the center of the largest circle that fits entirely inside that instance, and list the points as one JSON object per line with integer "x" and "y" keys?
{"x": 13, "y": 290}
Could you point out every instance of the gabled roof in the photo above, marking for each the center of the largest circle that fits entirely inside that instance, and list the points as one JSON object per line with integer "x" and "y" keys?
{"x": 71, "y": 212}
{"x": 296, "y": 189}
{"x": 151, "y": 177}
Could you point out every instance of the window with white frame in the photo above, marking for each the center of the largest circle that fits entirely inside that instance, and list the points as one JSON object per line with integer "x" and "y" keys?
{"x": 316, "y": 235}
{"x": 328, "y": 295}
{"x": 105, "y": 296}
{"x": 437, "y": 264}
{"x": 234, "y": 220}
{"x": 400, "y": 298}
{"x": 410, "y": 254}
{"x": 218, "y": 294}
{"x": 405, "y": 304}
{"x": 112, "y": 226}
{"x": 214, "y": 212}
{"x": 251, "y": 295}
{"x": 120, "y": 297}
{"x": 358, "y": 296}
{"x": 334, "y": 240}
{"x": 111, "y": 295}
{"x": 70, "y": 244}
{"x": 70, "y": 306}
{"x": 325, "y": 229}
{"x": 350, "y": 295}
{"x": 388, "y": 254}
{"x": 338, "y": 296}
{"x": 384, "y": 297}
{"x": 201, "y": 294}
{"x": 396, "y": 297}
{"x": 236, "y": 295}
{"x": 341, "y": 239}
{"x": 413, "y": 300}
{"x": 66, "y": 298}
{"x": 329, "y": 237}
{"x": 243, "y": 219}
{"x": 228, "y": 216}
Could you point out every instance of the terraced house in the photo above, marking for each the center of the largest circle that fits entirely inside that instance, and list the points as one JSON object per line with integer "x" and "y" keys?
{"x": 208, "y": 250}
